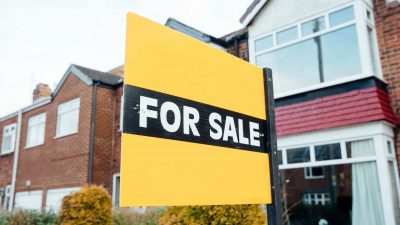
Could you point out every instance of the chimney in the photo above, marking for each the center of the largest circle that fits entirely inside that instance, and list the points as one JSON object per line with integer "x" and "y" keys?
{"x": 41, "y": 91}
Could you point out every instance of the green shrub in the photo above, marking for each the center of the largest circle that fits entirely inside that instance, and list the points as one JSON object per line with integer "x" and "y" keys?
{"x": 129, "y": 217}
{"x": 214, "y": 215}
{"x": 25, "y": 217}
{"x": 91, "y": 205}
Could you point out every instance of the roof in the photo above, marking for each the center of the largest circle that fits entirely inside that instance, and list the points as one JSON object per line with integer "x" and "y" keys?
{"x": 88, "y": 76}
{"x": 102, "y": 77}
{"x": 351, "y": 107}
{"x": 179, "y": 26}
{"x": 252, "y": 11}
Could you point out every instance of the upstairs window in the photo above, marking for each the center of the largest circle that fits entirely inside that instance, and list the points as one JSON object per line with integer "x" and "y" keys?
{"x": 9, "y": 134}
{"x": 36, "y": 130}
{"x": 324, "y": 48}
{"x": 68, "y": 118}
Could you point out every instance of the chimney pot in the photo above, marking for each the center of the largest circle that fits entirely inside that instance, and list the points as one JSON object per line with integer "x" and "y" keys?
{"x": 41, "y": 91}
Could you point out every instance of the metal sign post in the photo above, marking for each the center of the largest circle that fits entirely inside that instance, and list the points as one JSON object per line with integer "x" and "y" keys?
{"x": 274, "y": 210}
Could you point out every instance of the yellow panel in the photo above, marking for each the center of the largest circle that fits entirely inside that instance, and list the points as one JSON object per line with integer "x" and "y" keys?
{"x": 164, "y": 60}
{"x": 180, "y": 173}
{"x": 156, "y": 171}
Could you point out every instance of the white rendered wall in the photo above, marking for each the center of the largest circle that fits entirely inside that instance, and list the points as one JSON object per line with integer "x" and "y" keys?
{"x": 280, "y": 13}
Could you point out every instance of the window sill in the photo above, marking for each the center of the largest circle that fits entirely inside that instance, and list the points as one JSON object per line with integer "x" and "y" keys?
{"x": 33, "y": 146}
{"x": 65, "y": 135}
{"x": 6, "y": 153}
{"x": 326, "y": 84}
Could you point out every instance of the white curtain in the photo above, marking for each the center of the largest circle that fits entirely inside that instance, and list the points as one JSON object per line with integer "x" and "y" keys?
{"x": 367, "y": 206}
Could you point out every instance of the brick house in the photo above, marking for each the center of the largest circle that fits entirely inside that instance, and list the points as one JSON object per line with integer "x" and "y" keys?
{"x": 65, "y": 140}
{"x": 336, "y": 67}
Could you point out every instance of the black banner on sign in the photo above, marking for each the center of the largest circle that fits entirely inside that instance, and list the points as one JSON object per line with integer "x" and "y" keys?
{"x": 156, "y": 114}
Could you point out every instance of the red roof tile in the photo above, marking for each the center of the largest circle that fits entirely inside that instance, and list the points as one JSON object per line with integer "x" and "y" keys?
{"x": 350, "y": 108}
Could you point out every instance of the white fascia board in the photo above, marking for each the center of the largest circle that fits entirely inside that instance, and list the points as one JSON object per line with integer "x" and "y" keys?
{"x": 253, "y": 13}
{"x": 78, "y": 73}
{"x": 351, "y": 132}
{"x": 37, "y": 104}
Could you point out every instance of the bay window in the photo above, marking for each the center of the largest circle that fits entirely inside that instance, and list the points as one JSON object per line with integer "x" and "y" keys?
{"x": 342, "y": 176}
{"x": 325, "y": 48}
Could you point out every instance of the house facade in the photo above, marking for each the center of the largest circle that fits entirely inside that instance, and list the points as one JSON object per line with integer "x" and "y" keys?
{"x": 63, "y": 141}
{"x": 336, "y": 71}
{"x": 335, "y": 68}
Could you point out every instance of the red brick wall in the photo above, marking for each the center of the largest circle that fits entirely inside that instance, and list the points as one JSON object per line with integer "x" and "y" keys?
{"x": 6, "y": 161}
{"x": 117, "y": 133}
{"x": 387, "y": 20}
{"x": 243, "y": 51}
{"x": 104, "y": 137}
{"x": 59, "y": 162}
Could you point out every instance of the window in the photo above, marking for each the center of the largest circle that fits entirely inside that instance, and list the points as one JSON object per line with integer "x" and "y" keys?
{"x": 116, "y": 189}
{"x": 316, "y": 60}
{"x": 317, "y": 198}
{"x": 7, "y": 197}
{"x": 325, "y": 48}
{"x": 314, "y": 172}
{"x": 36, "y": 130}
{"x": 264, "y": 43}
{"x": 327, "y": 152}
{"x": 9, "y": 134}
{"x": 68, "y": 118}
{"x": 359, "y": 151}
{"x": 313, "y": 26}
{"x": 341, "y": 16}
{"x": 298, "y": 155}
{"x": 287, "y": 35}
{"x": 1, "y": 195}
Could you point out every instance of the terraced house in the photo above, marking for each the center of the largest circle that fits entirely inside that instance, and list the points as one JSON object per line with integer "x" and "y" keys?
{"x": 336, "y": 70}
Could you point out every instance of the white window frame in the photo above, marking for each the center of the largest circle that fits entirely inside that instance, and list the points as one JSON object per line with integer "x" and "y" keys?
{"x": 59, "y": 114}
{"x": 378, "y": 131}
{"x": 115, "y": 176}
{"x": 310, "y": 175}
{"x": 13, "y": 135}
{"x": 7, "y": 196}
{"x": 2, "y": 193}
{"x": 323, "y": 200}
{"x": 31, "y": 124}
{"x": 365, "y": 50}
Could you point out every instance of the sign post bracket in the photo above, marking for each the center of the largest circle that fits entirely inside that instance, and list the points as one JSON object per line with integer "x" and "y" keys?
{"x": 274, "y": 210}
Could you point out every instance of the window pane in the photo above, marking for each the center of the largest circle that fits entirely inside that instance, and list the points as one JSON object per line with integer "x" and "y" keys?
{"x": 341, "y": 16}
{"x": 395, "y": 195}
{"x": 117, "y": 188}
{"x": 263, "y": 43}
{"x": 7, "y": 140}
{"x": 286, "y": 35}
{"x": 322, "y": 58}
{"x": 68, "y": 117}
{"x": 360, "y": 148}
{"x": 313, "y": 26}
{"x": 280, "y": 161}
{"x": 328, "y": 152}
{"x": 298, "y": 155}
{"x": 68, "y": 123}
{"x": 336, "y": 198}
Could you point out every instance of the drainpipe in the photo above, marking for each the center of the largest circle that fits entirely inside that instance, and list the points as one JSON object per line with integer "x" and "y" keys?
{"x": 15, "y": 164}
{"x": 92, "y": 126}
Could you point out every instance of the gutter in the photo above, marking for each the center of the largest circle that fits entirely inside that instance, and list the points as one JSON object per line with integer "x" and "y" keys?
{"x": 92, "y": 128}
{"x": 15, "y": 164}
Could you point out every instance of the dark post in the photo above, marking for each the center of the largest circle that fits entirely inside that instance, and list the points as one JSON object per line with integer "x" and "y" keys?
{"x": 274, "y": 210}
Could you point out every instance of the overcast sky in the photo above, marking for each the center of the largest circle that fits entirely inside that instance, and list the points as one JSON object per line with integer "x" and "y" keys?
{"x": 40, "y": 39}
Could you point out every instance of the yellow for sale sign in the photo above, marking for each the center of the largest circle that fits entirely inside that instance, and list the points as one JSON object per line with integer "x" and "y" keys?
{"x": 194, "y": 123}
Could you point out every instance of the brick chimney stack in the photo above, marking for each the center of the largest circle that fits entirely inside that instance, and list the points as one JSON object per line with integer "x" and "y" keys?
{"x": 41, "y": 91}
